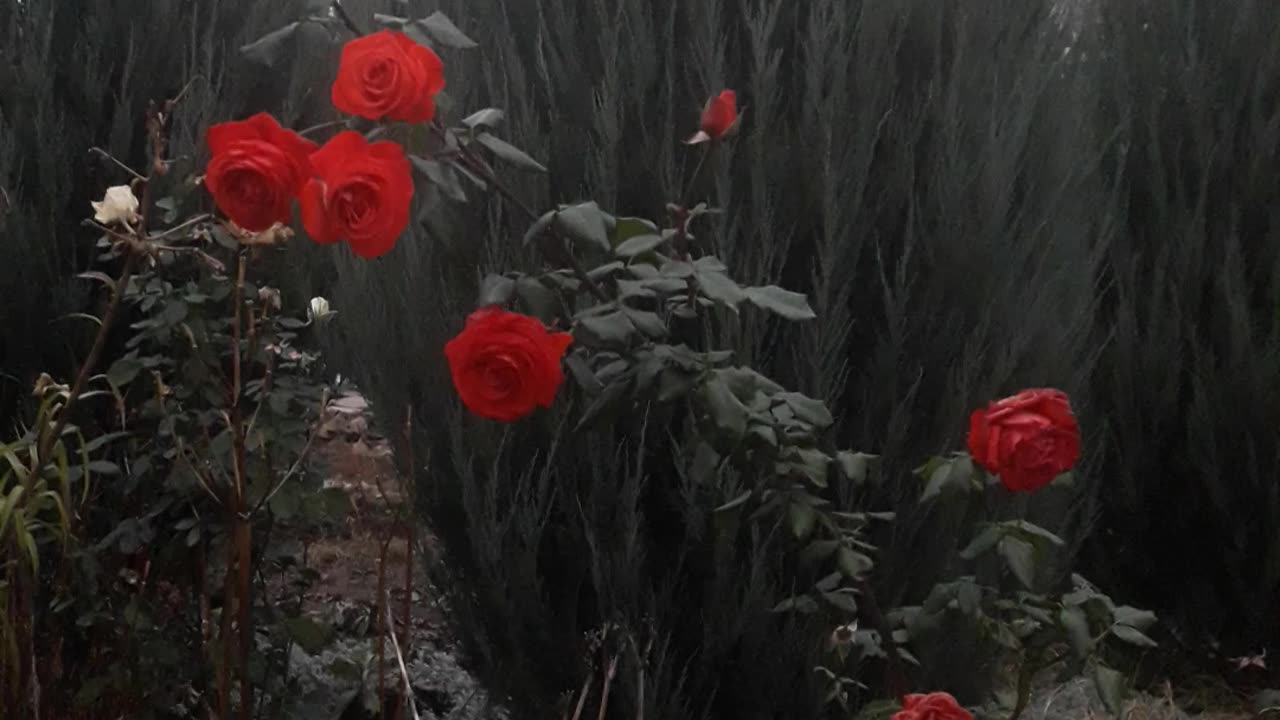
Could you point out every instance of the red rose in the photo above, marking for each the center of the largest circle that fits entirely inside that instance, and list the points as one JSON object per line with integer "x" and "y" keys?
{"x": 934, "y": 706}
{"x": 256, "y": 170}
{"x": 719, "y": 118}
{"x": 504, "y": 364}
{"x": 388, "y": 76}
{"x": 1028, "y": 439}
{"x": 362, "y": 194}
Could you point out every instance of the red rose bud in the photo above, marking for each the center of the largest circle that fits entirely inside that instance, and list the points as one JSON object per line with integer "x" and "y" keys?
{"x": 256, "y": 170}
{"x": 387, "y": 76}
{"x": 1028, "y": 439}
{"x": 362, "y": 194}
{"x": 933, "y": 706}
{"x": 719, "y": 118}
{"x": 505, "y": 364}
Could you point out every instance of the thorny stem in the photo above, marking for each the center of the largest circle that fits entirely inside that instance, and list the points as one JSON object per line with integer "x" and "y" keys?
{"x": 609, "y": 675}
{"x": 404, "y": 672}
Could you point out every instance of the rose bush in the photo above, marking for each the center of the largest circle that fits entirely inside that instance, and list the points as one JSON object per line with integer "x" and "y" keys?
{"x": 1027, "y": 440}
{"x": 505, "y": 364}
{"x": 256, "y": 170}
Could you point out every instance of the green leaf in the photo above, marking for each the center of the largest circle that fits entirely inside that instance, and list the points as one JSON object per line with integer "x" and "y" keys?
{"x": 1133, "y": 636}
{"x": 801, "y": 604}
{"x": 581, "y": 372}
{"x": 443, "y": 31}
{"x": 496, "y": 290}
{"x": 1111, "y": 687}
{"x": 951, "y": 475}
{"x": 310, "y": 635}
{"x": 735, "y": 503}
{"x": 611, "y": 330}
{"x": 638, "y": 245}
{"x": 727, "y": 413}
{"x": 983, "y": 542}
{"x": 852, "y": 563}
{"x": 646, "y": 322}
{"x": 584, "y": 223}
{"x": 625, "y": 228}
{"x": 266, "y": 49}
{"x": 488, "y": 117}
{"x": 784, "y": 303}
{"x": 809, "y": 410}
{"x": 719, "y": 287}
{"x": 1019, "y": 555}
{"x": 536, "y": 299}
{"x": 1035, "y": 531}
{"x": 841, "y": 601}
{"x": 509, "y": 153}
{"x": 124, "y": 370}
{"x": 854, "y": 465}
{"x": 802, "y": 517}
{"x": 441, "y": 175}
{"x": 605, "y": 404}
{"x": 818, "y": 550}
{"x": 539, "y": 227}
{"x": 1076, "y": 625}
{"x": 1134, "y": 617}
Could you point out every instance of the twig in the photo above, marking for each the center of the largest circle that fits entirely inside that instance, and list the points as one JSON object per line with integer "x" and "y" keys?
{"x": 322, "y": 126}
{"x": 382, "y": 631}
{"x": 293, "y": 469}
{"x": 182, "y": 226}
{"x": 404, "y": 672}
{"x": 108, "y": 156}
{"x": 582, "y": 697}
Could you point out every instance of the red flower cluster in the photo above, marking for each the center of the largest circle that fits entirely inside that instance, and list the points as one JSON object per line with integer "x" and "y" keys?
{"x": 1028, "y": 439}
{"x": 349, "y": 189}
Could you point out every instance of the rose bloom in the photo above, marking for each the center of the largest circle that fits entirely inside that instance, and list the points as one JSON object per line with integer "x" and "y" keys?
{"x": 118, "y": 205}
{"x": 1028, "y": 439}
{"x": 934, "y": 706}
{"x": 256, "y": 170}
{"x": 719, "y": 118}
{"x": 505, "y": 364}
{"x": 388, "y": 76}
{"x": 362, "y": 194}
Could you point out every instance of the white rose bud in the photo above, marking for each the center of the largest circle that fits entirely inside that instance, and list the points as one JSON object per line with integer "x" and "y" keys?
{"x": 118, "y": 206}
{"x": 319, "y": 309}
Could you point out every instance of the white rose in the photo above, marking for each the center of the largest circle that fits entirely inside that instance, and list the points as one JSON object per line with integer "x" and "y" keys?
{"x": 118, "y": 206}
{"x": 319, "y": 309}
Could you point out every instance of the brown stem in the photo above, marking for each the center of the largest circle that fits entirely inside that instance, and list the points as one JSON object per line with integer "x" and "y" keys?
{"x": 896, "y": 681}
{"x": 382, "y": 632}
{"x": 609, "y": 674}
{"x": 410, "y": 530}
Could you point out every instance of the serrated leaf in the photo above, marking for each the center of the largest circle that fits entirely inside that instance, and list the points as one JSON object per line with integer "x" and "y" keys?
{"x": 509, "y": 153}
{"x": 1036, "y": 531}
{"x": 584, "y": 223}
{"x": 442, "y": 30}
{"x": 537, "y": 300}
{"x": 625, "y": 228}
{"x": 735, "y": 503}
{"x": 638, "y": 245}
{"x": 646, "y": 322}
{"x": 1019, "y": 555}
{"x": 123, "y": 371}
{"x": 809, "y": 410}
{"x": 948, "y": 475}
{"x": 266, "y": 49}
{"x": 801, "y": 604}
{"x": 784, "y": 303}
{"x": 488, "y": 117}
{"x": 841, "y": 601}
